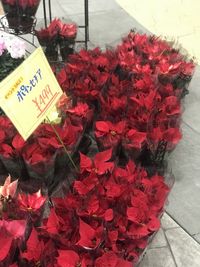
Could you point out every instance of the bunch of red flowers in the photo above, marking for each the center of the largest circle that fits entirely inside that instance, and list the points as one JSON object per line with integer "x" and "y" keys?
{"x": 58, "y": 34}
{"x": 19, "y": 212}
{"x": 37, "y": 157}
{"x": 137, "y": 90}
{"x": 56, "y": 30}
{"x": 125, "y": 101}
{"x": 106, "y": 219}
{"x": 22, "y": 3}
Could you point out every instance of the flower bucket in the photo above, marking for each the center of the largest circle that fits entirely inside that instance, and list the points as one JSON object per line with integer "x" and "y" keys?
{"x": 20, "y": 14}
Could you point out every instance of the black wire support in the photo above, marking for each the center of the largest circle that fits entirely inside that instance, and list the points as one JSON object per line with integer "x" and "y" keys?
{"x": 48, "y": 18}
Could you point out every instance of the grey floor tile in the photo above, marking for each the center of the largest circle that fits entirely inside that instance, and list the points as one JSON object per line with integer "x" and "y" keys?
{"x": 167, "y": 222}
{"x": 185, "y": 249}
{"x": 76, "y": 6}
{"x": 65, "y": 8}
{"x": 184, "y": 200}
{"x": 109, "y": 26}
{"x": 191, "y": 103}
{"x": 159, "y": 257}
{"x": 57, "y": 10}
{"x": 159, "y": 240}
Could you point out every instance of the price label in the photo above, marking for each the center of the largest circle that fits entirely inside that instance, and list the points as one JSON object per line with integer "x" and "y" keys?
{"x": 29, "y": 93}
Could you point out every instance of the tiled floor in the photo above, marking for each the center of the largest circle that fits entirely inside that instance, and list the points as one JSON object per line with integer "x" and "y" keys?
{"x": 172, "y": 246}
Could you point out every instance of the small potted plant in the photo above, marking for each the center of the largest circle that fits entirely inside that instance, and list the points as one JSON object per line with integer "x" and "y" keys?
{"x": 67, "y": 36}
{"x": 57, "y": 35}
{"x": 20, "y": 14}
{"x": 12, "y": 53}
{"x": 47, "y": 38}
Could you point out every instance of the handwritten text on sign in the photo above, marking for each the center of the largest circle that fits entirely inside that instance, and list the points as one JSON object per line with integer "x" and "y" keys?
{"x": 29, "y": 93}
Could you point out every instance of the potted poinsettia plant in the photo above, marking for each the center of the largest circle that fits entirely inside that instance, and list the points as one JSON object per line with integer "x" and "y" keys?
{"x": 48, "y": 39}
{"x": 57, "y": 35}
{"x": 67, "y": 36}
{"x": 20, "y": 14}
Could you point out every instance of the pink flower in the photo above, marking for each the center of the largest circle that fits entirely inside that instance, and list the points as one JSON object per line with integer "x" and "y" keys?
{"x": 2, "y": 46}
{"x": 8, "y": 189}
{"x": 16, "y": 48}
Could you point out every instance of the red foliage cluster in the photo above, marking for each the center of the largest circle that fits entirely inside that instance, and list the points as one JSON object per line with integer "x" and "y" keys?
{"x": 19, "y": 212}
{"x": 38, "y": 154}
{"x": 136, "y": 89}
{"x": 105, "y": 221}
{"x": 125, "y": 101}
{"x": 57, "y": 29}
{"x": 22, "y": 3}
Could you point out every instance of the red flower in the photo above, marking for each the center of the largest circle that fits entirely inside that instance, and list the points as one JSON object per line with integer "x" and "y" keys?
{"x": 8, "y": 189}
{"x": 18, "y": 142}
{"x": 80, "y": 113}
{"x": 2, "y": 136}
{"x": 68, "y": 30}
{"x": 114, "y": 190}
{"x": 68, "y": 258}
{"x": 135, "y": 139}
{"x": 88, "y": 236}
{"x": 187, "y": 68}
{"x": 70, "y": 133}
{"x": 53, "y": 223}
{"x": 15, "y": 228}
{"x": 31, "y": 203}
{"x": 109, "y": 134}
{"x": 6, "y": 243}
{"x": 100, "y": 164}
{"x": 34, "y": 154}
{"x": 171, "y": 106}
{"x": 136, "y": 215}
{"x": 128, "y": 174}
{"x": 34, "y": 248}
{"x": 9, "y": 231}
{"x": 172, "y": 135}
{"x": 7, "y": 151}
{"x": 108, "y": 215}
{"x": 154, "y": 224}
{"x": 138, "y": 231}
{"x": 87, "y": 184}
{"x": 110, "y": 259}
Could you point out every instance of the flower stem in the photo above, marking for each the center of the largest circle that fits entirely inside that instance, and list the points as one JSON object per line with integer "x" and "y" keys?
{"x": 63, "y": 145}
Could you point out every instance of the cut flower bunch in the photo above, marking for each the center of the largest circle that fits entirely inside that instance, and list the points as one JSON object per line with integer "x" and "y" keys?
{"x": 91, "y": 182}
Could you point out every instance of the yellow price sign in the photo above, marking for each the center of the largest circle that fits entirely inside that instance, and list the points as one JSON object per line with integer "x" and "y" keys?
{"x": 29, "y": 93}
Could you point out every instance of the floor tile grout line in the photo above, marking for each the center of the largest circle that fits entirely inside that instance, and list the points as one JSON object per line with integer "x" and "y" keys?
{"x": 190, "y": 127}
{"x": 174, "y": 227}
{"x": 171, "y": 251}
{"x": 166, "y": 246}
{"x": 196, "y": 234}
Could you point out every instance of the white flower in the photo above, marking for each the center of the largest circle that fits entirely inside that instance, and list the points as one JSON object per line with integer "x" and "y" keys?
{"x": 15, "y": 47}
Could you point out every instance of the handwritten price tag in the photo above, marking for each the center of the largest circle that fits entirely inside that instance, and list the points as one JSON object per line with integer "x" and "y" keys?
{"x": 29, "y": 93}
